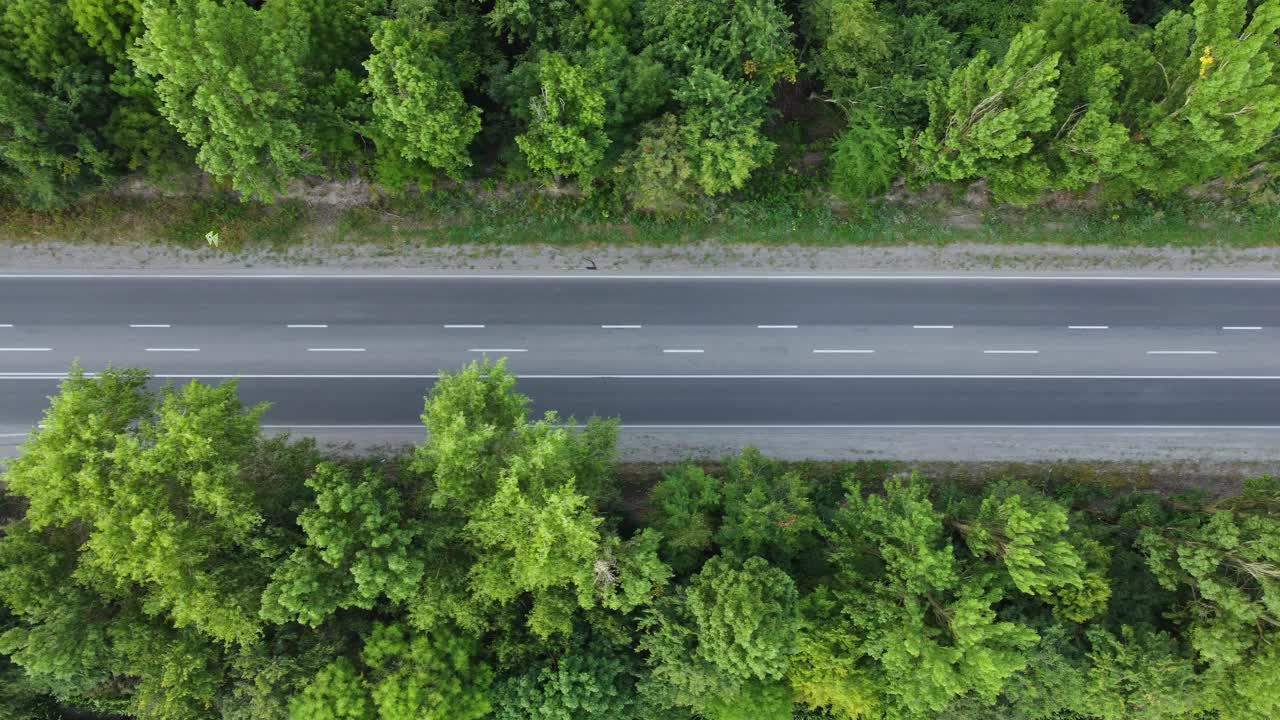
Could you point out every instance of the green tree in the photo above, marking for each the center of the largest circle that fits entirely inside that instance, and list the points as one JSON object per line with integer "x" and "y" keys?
{"x": 928, "y": 626}
{"x": 426, "y": 675}
{"x": 1229, "y": 557}
{"x": 852, "y": 44}
{"x": 1090, "y": 140}
{"x": 230, "y": 80}
{"x": 19, "y": 696}
{"x": 826, "y": 673}
{"x": 924, "y": 52}
{"x": 983, "y": 121}
{"x": 1030, "y": 535}
{"x": 736, "y": 39}
{"x": 178, "y": 672}
{"x": 41, "y": 39}
{"x": 404, "y": 674}
{"x": 981, "y": 26}
{"x": 263, "y": 680}
{"x": 421, "y": 121}
{"x": 108, "y": 26}
{"x": 767, "y": 512}
{"x": 686, "y": 509}
{"x": 587, "y": 685}
{"x": 1140, "y": 675}
{"x": 630, "y": 575}
{"x": 65, "y": 467}
{"x": 537, "y": 535}
{"x": 54, "y": 104}
{"x": 746, "y": 617}
{"x": 732, "y": 632}
{"x": 336, "y": 693}
{"x": 359, "y": 549}
{"x": 658, "y": 172}
{"x": 565, "y": 136}
{"x": 164, "y": 505}
{"x": 1214, "y": 91}
{"x": 472, "y": 418}
{"x": 527, "y": 493}
{"x": 727, "y": 55}
{"x": 61, "y": 630}
{"x": 865, "y": 158}
{"x": 722, "y": 130}
{"x": 1052, "y": 686}
{"x": 139, "y": 137}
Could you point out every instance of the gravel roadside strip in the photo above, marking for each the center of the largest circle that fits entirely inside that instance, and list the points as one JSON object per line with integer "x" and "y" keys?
{"x": 691, "y": 258}
{"x": 1258, "y": 450}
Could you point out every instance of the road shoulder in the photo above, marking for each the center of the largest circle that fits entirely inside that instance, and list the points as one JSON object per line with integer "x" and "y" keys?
{"x": 695, "y": 258}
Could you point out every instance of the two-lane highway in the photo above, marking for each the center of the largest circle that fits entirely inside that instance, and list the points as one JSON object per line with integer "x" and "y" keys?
{"x": 676, "y": 351}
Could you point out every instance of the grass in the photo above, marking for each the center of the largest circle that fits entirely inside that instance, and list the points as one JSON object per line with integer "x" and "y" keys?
{"x": 442, "y": 219}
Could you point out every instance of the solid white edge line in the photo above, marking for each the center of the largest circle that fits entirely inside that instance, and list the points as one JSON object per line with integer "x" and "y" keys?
{"x": 657, "y": 376}
{"x": 497, "y": 350}
{"x": 608, "y": 276}
{"x": 777, "y": 327}
{"x": 25, "y": 349}
{"x": 335, "y": 350}
{"x": 837, "y": 351}
{"x": 868, "y": 426}
{"x": 186, "y": 350}
{"x": 303, "y": 326}
{"x": 149, "y": 325}
{"x": 1241, "y": 327}
{"x": 1011, "y": 352}
{"x": 1182, "y": 352}
{"x": 463, "y": 327}
{"x": 933, "y": 327}
{"x": 962, "y": 427}
{"x": 655, "y": 426}
{"x": 687, "y": 351}
{"x": 1088, "y": 327}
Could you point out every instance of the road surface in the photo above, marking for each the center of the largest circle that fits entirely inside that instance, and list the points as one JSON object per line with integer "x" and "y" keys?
{"x": 354, "y": 351}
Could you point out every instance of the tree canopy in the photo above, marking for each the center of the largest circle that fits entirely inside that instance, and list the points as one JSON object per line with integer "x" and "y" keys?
{"x": 647, "y": 105}
{"x": 162, "y": 559}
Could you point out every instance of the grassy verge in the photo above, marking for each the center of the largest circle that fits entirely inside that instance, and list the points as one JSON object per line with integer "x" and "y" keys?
{"x": 452, "y": 219}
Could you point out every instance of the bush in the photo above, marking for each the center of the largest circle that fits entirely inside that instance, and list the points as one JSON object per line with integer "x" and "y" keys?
{"x": 865, "y": 158}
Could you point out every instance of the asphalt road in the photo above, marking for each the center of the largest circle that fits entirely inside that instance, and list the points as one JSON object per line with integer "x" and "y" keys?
{"x": 667, "y": 351}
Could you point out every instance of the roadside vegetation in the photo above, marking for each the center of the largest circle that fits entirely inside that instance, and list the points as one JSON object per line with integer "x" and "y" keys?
{"x": 1122, "y": 122}
{"x": 400, "y": 225}
{"x": 163, "y": 559}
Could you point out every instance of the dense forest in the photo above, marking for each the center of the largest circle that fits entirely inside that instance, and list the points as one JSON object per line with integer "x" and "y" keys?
{"x": 163, "y": 559}
{"x": 642, "y": 104}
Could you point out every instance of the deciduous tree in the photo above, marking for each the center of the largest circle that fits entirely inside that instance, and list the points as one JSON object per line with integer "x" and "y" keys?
{"x": 928, "y": 628}
{"x": 984, "y": 120}
{"x": 686, "y": 510}
{"x": 587, "y": 685}
{"x": 426, "y": 675}
{"x": 230, "y": 80}
{"x": 164, "y": 505}
{"x": 360, "y": 548}
{"x": 472, "y": 419}
{"x": 732, "y": 631}
{"x": 421, "y": 121}
{"x": 565, "y": 136}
